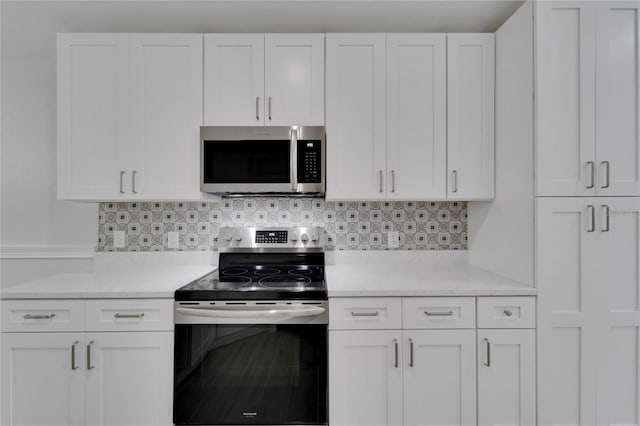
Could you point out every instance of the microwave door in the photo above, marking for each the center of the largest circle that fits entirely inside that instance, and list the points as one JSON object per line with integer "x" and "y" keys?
{"x": 247, "y": 166}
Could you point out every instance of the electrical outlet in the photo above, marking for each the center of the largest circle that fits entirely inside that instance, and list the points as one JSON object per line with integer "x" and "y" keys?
{"x": 118, "y": 239}
{"x": 172, "y": 240}
{"x": 393, "y": 240}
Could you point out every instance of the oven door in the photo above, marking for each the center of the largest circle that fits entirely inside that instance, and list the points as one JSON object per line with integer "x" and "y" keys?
{"x": 250, "y": 374}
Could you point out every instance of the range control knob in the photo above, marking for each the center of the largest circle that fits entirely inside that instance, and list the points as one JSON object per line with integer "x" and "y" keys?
{"x": 238, "y": 238}
{"x": 304, "y": 238}
{"x": 294, "y": 238}
{"x": 315, "y": 238}
{"x": 228, "y": 237}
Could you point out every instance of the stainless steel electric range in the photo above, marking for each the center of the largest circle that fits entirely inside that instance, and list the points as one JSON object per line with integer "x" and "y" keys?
{"x": 251, "y": 338}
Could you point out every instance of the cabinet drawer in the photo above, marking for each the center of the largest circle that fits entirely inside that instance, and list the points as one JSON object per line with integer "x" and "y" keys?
{"x": 42, "y": 315}
{"x": 506, "y": 312}
{"x": 129, "y": 315}
{"x": 370, "y": 313}
{"x": 438, "y": 312}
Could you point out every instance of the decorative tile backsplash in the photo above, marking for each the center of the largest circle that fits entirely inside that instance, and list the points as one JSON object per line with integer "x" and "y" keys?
{"x": 350, "y": 225}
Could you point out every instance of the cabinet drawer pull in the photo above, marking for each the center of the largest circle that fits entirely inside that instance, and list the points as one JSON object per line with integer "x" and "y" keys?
{"x": 48, "y": 316}
{"x": 380, "y": 178}
{"x": 592, "y": 225}
{"x": 395, "y": 342}
{"x": 365, "y": 314}
{"x": 454, "y": 183}
{"x": 592, "y": 175}
{"x": 119, "y": 315}
{"x": 507, "y": 312}
{"x": 393, "y": 181}
{"x": 439, "y": 314}
{"x": 133, "y": 182}
{"x": 258, "y": 108}
{"x": 122, "y": 181}
{"x": 410, "y": 352}
{"x": 73, "y": 355}
{"x": 487, "y": 361}
{"x": 607, "y": 213}
{"x": 607, "y": 175}
{"x": 269, "y": 108}
{"x": 89, "y": 366}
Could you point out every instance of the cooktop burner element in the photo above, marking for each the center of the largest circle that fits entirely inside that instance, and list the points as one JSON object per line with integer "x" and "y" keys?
{"x": 251, "y": 269}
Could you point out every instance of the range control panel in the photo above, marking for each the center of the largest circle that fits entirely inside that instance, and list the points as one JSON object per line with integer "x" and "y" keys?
{"x": 265, "y": 239}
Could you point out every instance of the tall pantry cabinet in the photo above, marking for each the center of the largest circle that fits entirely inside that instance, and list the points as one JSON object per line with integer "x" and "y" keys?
{"x": 588, "y": 212}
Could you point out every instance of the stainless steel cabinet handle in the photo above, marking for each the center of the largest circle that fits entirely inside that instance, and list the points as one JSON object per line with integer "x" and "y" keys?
{"x": 454, "y": 181}
{"x": 29, "y": 316}
{"x": 507, "y": 312}
{"x": 487, "y": 361}
{"x": 365, "y": 314}
{"x": 122, "y": 181}
{"x": 258, "y": 108}
{"x": 607, "y": 175}
{"x": 119, "y": 315}
{"x": 133, "y": 182}
{"x": 89, "y": 366}
{"x": 395, "y": 342}
{"x": 439, "y": 314}
{"x": 380, "y": 177}
{"x": 592, "y": 226}
{"x": 73, "y": 355}
{"x": 410, "y": 352}
{"x": 393, "y": 181}
{"x": 269, "y": 107}
{"x": 592, "y": 175}
{"x": 607, "y": 211}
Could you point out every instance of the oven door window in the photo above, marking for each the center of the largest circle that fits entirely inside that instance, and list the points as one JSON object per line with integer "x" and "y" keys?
{"x": 265, "y": 161}
{"x": 255, "y": 374}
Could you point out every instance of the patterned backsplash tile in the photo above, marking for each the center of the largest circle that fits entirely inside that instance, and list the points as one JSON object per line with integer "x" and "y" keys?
{"x": 350, "y": 225}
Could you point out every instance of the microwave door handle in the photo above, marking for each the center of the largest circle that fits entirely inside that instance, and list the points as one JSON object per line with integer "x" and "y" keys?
{"x": 294, "y": 159}
{"x": 240, "y": 313}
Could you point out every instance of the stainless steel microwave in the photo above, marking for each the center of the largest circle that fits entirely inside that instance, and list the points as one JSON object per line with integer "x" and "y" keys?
{"x": 263, "y": 160}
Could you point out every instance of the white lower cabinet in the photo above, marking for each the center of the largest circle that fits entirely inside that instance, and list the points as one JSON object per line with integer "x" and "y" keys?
{"x": 85, "y": 377}
{"x": 427, "y": 372}
{"x": 506, "y": 377}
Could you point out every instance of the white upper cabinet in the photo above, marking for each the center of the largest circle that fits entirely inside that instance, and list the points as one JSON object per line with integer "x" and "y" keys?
{"x": 93, "y": 114}
{"x": 587, "y": 51}
{"x": 234, "y": 79}
{"x": 258, "y": 79}
{"x": 129, "y": 112}
{"x": 470, "y": 140}
{"x": 166, "y": 115}
{"x": 416, "y": 116}
{"x": 356, "y": 122}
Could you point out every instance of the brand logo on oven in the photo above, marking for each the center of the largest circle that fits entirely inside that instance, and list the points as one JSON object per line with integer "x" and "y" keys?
{"x": 249, "y": 414}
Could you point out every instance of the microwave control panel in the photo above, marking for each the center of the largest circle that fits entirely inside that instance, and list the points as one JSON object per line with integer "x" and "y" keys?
{"x": 309, "y": 161}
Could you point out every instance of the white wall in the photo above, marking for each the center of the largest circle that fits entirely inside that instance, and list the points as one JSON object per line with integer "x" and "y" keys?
{"x": 501, "y": 232}
{"x": 31, "y": 218}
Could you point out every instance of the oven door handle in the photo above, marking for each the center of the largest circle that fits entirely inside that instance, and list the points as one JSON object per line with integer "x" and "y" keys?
{"x": 241, "y": 312}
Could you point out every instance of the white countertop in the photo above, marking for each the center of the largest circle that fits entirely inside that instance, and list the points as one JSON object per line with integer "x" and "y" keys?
{"x": 415, "y": 274}
{"x": 118, "y": 276}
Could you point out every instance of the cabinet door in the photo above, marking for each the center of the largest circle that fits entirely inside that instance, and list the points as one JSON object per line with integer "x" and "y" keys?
{"x": 129, "y": 378}
{"x": 365, "y": 378}
{"x": 506, "y": 377}
{"x": 617, "y": 92}
{"x": 470, "y": 83}
{"x": 565, "y": 98}
{"x": 566, "y": 263}
{"x": 93, "y": 115}
{"x": 356, "y": 117}
{"x": 234, "y": 80}
{"x": 166, "y": 114}
{"x": 294, "y": 79}
{"x": 39, "y": 385}
{"x": 617, "y": 281}
{"x": 416, "y": 116}
{"x": 440, "y": 377}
